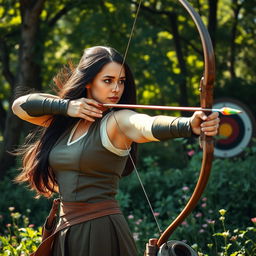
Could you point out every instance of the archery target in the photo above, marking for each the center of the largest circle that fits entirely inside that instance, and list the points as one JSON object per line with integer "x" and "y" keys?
{"x": 235, "y": 131}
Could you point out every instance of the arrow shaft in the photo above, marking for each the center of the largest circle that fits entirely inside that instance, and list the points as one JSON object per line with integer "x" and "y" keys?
{"x": 160, "y": 107}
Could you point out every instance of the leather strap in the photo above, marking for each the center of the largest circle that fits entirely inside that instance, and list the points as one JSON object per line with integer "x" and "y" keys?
{"x": 72, "y": 213}
{"x": 38, "y": 105}
{"x": 168, "y": 127}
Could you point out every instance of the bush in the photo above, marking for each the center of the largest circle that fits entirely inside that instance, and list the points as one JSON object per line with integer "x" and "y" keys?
{"x": 237, "y": 242}
{"x": 22, "y": 199}
{"x": 20, "y": 237}
{"x": 231, "y": 186}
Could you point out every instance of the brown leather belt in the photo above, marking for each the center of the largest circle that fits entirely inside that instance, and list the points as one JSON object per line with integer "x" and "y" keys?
{"x": 72, "y": 213}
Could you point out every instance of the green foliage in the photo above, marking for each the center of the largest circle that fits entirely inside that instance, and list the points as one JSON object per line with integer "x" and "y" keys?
{"x": 170, "y": 189}
{"x": 20, "y": 237}
{"x": 236, "y": 242}
{"x": 67, "y": 27}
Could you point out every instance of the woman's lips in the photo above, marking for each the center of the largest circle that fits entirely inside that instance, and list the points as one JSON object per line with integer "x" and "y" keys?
{"x": 113, "y": 99}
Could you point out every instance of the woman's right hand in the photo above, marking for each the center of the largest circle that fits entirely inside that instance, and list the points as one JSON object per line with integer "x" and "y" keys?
{"x": 87, "y": 109}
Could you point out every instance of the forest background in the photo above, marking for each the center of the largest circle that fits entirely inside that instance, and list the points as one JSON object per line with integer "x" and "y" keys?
{"x": 38, "y": 37}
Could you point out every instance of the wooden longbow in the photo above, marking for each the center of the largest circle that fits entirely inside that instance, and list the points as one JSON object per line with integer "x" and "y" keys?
{"x": 206, "y": 142}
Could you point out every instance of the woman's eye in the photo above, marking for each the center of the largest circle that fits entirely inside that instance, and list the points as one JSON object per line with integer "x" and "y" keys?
{"x": 107, "y": 81}
{"x": 121, "y": 81}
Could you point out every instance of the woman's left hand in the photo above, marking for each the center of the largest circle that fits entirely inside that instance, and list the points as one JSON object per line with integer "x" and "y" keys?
{"x": 209, "y": 125}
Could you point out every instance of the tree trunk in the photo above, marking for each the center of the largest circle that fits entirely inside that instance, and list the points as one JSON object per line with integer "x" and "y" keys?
{"x": 183, "y": 98}
{"x": 212, "y": 20}
{"x": 28, "y": 75}
{"x": 2, "y": 119}
{"x": 236, "y": 10}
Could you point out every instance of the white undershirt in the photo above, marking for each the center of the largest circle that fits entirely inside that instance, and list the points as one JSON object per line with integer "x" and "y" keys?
{"x": 106, "y": 141}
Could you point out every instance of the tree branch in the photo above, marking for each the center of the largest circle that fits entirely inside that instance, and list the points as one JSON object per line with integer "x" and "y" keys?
{"x": 35, "y": 7}
{"x": 168, "y": 14}
{"x": 154, "y": 11}
{"x": 59, "y": 14}
{"x": 63, "y": 11}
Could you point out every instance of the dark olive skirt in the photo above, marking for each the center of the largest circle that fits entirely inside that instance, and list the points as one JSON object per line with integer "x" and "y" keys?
{"x": 104, "y": 236}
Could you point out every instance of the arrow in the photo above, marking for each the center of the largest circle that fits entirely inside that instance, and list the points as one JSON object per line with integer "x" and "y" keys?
{"x": 225, "y": 110}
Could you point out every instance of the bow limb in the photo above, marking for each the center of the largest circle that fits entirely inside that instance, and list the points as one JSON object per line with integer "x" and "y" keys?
{"x": 206, "y": 99}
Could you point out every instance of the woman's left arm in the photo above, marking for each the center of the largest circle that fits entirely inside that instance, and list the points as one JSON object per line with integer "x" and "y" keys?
{"x": 143, "y": 128}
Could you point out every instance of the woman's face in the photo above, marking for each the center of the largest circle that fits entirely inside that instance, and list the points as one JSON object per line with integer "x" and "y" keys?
{"x": 108, "y": 84}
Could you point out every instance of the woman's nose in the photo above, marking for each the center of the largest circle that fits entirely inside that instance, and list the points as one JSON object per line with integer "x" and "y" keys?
{"x": 116, "y": 87}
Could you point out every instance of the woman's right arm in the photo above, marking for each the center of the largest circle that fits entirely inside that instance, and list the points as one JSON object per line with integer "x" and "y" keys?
{"x": 38, "y": 108}
{"x": 43, "y": 120}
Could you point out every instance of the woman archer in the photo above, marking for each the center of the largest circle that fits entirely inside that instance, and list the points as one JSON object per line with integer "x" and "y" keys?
{"x": 83, "y": 150}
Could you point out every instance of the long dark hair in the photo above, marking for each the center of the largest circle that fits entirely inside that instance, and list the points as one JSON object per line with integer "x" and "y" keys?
{"x": 70, "y": 84}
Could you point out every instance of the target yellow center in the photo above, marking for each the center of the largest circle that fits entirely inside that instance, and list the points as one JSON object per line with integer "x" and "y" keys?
{"x": 225, "y": 130}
